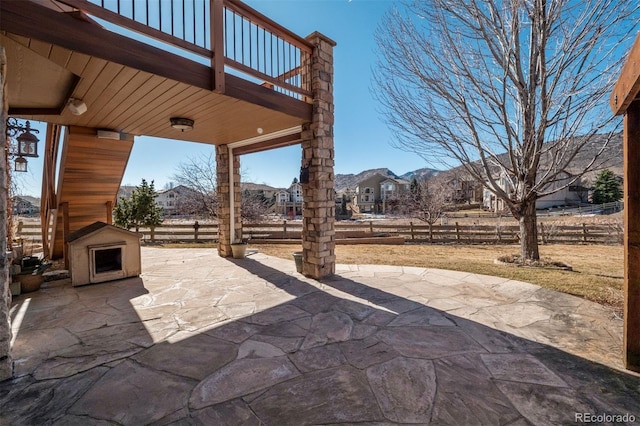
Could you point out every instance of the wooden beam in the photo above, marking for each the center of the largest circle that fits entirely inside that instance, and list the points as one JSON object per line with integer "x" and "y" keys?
{"x": 270, "y": 144}
{"x": 35, "y": 111}
{"x": 628, "y": 85}
{"x": 631, "y": 343}
{"x": 28, "y": 19}
{"x": 247, "y": 91}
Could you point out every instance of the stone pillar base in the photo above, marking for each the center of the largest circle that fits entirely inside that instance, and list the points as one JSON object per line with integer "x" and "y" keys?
{"x": 227, "y": 234}
{"x": 318, "y": 222}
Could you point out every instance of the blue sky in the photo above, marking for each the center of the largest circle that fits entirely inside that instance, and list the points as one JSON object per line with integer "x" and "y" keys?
{"x": 361, "y": 136}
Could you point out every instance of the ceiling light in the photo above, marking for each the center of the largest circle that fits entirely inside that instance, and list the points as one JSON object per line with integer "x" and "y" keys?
{"x": 181, "y": 124}
{"x": 77, "y": 107}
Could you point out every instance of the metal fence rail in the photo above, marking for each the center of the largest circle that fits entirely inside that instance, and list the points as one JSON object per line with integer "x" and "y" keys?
{"x": 228, "y": 33}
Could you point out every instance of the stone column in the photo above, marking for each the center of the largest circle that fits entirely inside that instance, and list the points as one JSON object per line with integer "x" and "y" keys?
{"x": 318, "y": 215}
{"x": 225, "y": 234}
{"x": 6, "y": 362}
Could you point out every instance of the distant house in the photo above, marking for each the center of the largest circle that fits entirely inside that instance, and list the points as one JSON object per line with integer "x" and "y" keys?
{"x": 259, "y": 189}
{"x": 373, "y": 194}
{"x": 569, "y": 196}
{"x": 178, "y": 200}
{"x": 289, "y": 200}
{"x": 26, "y": 205}
{"x": 465, "y": 191}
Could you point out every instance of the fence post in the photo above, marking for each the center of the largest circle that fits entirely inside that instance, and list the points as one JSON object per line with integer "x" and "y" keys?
{"x": 584, "y": 232}
{"x": 498, "y": 232}
{"x": 371, "y": 226}
{"x": 430, "y": 232}
{"x": 411, "y": 227}
{"x": 153, "y": 233}
{"x": 457, "y": 232}
{"x": 195, "y": 230}
{"x": 542, "y": 233}
{"x": 284, "y": 228}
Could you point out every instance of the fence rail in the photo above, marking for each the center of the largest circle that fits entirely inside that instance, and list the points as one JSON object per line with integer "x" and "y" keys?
{"x": 286, "y": 232}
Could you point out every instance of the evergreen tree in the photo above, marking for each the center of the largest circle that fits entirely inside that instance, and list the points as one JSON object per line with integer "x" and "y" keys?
{"x": 606, "y": 188}
{"x": 140, "y": 209}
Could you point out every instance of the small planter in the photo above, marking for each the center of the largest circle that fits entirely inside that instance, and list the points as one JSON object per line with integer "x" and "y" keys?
{"x": 297, "y": 257}
{"x": 239, "y": 250}
{"x": 30, "y": 282}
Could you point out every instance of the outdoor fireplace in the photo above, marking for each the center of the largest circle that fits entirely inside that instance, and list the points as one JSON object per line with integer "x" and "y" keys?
{"x": 101, "y": 252}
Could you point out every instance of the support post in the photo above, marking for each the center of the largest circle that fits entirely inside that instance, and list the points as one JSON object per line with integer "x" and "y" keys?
{"x": 109, "y": 206}
{"x": 65, "y": 233}
{"x": 217, "y": 45}
{"x": 318, "y": 210}
{"x": 631, "y": 339}
{"x": 229, "y": 194}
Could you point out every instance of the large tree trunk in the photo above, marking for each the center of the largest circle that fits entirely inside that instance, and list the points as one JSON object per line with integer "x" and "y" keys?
{"x": 528, "y": 231}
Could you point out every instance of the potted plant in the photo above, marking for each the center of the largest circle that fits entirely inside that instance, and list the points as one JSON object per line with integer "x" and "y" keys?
{"x": 239, "y": 249}
{"x": 30, "y": 277}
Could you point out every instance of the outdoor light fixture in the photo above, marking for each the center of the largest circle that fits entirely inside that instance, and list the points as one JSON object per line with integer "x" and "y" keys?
{"x": 27, "y": 143}
{"x": 77, "y": 107}
{"x": 20, "y": 164}
{"x": 181, "y": 124}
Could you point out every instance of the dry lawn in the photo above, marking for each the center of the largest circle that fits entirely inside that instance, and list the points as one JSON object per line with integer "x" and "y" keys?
{"x": 597, "y": 269}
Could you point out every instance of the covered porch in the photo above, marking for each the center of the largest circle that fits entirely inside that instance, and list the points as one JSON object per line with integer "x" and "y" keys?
{"x": 215, "y": 71}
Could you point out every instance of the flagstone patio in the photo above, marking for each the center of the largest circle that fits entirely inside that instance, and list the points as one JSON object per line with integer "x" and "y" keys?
{"x": 200, "y": 339}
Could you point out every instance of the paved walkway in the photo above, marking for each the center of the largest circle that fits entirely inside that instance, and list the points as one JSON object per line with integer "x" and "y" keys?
{"x": 204, "y": 340}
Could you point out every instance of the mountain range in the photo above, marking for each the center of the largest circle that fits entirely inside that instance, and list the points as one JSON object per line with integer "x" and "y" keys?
{"x": 344, "y": 181}
{"x": 613, "y": 162}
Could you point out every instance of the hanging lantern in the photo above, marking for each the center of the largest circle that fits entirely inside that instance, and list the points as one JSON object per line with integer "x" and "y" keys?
{"x": 27, "y": 144}
{"x": 20, "y": 164}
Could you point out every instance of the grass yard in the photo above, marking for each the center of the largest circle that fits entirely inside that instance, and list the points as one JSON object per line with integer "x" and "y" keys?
{"x": 597, "y": 269}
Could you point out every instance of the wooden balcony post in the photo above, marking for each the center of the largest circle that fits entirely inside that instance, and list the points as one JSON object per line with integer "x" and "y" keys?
{"x": 217, "y": 45}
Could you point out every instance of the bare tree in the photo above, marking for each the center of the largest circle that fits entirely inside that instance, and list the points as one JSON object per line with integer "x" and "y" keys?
{"x": 254, "y": 205}
{"x": 510, "y": 89}
{"x": 427, "y": 200}
{"x": 199, "y": 175}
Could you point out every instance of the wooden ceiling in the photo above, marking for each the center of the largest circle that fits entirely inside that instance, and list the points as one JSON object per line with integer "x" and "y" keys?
{"x": 120, "y": 89}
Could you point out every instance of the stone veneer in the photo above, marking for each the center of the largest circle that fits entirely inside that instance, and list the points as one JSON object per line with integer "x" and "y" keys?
{"x": 225, "y": 237}
{"x": 6, "y": 362}
{"x": 318, "y": 232}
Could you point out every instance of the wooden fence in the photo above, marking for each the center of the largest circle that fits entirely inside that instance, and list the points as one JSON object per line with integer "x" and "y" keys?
{"x": 371, "y": 232}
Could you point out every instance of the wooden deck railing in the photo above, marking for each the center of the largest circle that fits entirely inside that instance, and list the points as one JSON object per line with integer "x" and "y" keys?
{"x": 287, "y": 232}
{"x": 228, "y": 33}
